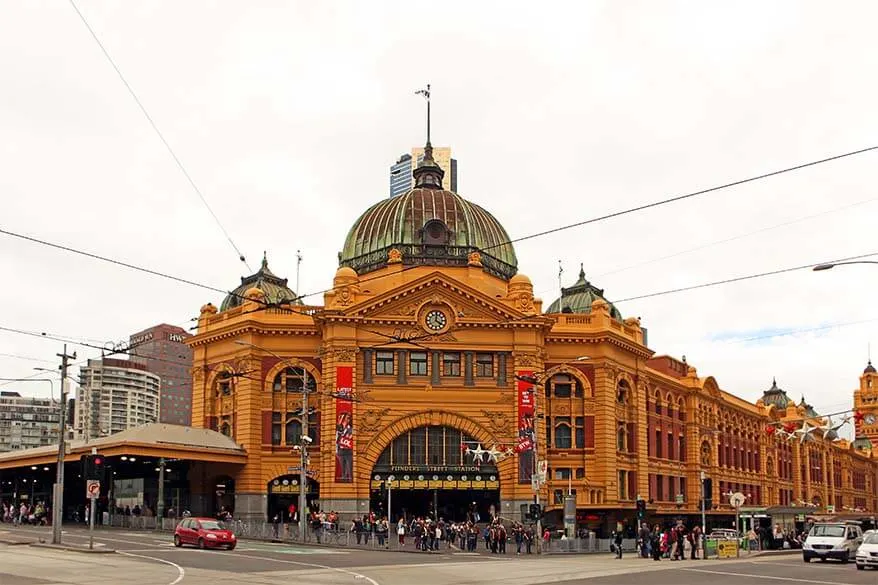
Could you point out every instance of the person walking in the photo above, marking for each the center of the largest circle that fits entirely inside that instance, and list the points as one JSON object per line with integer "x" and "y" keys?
{"x": 655, "y": 541}
{"x": 617, "y": 542}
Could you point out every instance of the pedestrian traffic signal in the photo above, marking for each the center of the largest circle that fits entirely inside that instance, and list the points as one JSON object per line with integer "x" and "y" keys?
{"x": 93, "y": 466}
{"x": 536, "y": 512}
{"x": 641, "y": 510}
{"x": 707, "y": 492}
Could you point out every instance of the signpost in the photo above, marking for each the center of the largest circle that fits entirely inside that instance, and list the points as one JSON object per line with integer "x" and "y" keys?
{"x": 92, "y": 492}
{"x": 737, "y": 500}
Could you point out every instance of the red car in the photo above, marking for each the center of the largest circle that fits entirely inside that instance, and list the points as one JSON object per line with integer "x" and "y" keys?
{"x": 204, "y": 533}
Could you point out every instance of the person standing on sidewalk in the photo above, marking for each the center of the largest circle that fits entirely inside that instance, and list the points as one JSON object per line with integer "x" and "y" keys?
{"x": 617, "y": 542}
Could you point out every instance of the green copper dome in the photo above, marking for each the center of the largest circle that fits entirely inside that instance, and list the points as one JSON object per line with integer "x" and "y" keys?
{"x": 429, "y": 226}
{"x": 862, "y": 443}
{"x": 579, "y": 297}
{"x": 274, "y": 287}
{"x": 776, "y": 396}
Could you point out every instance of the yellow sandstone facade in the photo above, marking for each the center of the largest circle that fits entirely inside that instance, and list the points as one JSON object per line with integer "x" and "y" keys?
{"x": 421, "y": 363}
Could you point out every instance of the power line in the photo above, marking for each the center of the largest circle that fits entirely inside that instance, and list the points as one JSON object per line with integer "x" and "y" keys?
{"x": 159, "y": 133}
{"x": 736, "y": 237}
{"x": 629, "y": 211}
{"x": 685, "y": 196}
{"x": 24, "y": 357}
{"x": 739, "y": 278}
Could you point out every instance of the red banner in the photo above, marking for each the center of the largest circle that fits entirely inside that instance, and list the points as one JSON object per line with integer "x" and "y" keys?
{"x": 526, "y": 435}
{"x": 344, "y": 424}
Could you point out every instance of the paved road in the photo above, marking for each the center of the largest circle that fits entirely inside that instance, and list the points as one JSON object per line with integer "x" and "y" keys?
{"x": 150, "y": 559}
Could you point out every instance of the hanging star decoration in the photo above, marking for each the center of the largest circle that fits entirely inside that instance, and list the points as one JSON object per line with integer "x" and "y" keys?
{"x": 858, "y": 416}
{"x": 770, "y": 430}
{"x": 830, "y": 432}
{"x": 478, "y": 454}
{"x": 804, "y": 433}
{"x": 495, "y": 454}
{"x": 790, "y": 428}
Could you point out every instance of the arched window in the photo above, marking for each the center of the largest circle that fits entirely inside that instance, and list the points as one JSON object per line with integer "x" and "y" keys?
{"x": 563, "y": 437}
{"x": 623, "y": 392}
{"x": 681, "y": 409}
{"x": 291, "y": 380}
{"x": 435, "y": 233}
{"x": 436, "y": 446}
{"x": 669, "y": 408}
{"x": 658, "y": 403}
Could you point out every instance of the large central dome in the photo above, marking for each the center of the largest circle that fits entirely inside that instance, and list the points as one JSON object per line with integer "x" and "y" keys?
{"x": 428, "y": 226}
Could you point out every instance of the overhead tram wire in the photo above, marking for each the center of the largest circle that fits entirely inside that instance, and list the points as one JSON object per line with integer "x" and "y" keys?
{"x": 161, "y": 136}
{"x": 288, "y": 306}
{"x": 632, "y": 210}
{"x": 738, "y": 279}
{"x": 130, "y": 266}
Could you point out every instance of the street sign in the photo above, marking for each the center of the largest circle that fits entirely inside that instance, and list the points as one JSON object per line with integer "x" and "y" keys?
{"x": 680, "y": 499}
{"x": 535, "y": 483}
{"x": 93, "y": 489}
{"x": 543, "y": 467}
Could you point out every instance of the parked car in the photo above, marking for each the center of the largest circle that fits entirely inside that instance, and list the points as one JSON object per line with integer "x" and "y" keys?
{"x": 832, "y": 540}
{"x": 867, "y": 554}
{"x": 723, "y": 534}
{"x": 204, "y": 533}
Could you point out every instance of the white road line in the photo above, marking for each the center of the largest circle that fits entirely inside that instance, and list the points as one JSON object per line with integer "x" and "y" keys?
{"x": 180, "y": 571}
{"x": 336, "y": 569}
{"x": 755, "y": 576}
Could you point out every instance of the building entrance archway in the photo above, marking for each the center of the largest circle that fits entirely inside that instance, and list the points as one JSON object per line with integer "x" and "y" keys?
{"x": 283, "y": 492}
{"x": 436, "y": 471}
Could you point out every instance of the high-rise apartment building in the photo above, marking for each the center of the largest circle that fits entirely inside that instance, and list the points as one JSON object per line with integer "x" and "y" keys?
{"x": 27, "y": 422}
{"x": 115, "y": 395}
{"x": 402, "y": 180}
{"x": 163, "y": 351}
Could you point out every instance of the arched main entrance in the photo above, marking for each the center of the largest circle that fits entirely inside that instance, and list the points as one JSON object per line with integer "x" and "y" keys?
{"x": 436, "y": 471}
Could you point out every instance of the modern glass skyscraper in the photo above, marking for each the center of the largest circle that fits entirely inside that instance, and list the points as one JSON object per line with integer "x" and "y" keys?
{"x": 401, "y": 179}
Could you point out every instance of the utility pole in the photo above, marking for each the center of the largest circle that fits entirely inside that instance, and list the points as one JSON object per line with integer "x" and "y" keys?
{"x": 160, "y": 504}
{"x": 703, "y": 521}
{"x": 303, "y": 442}
{"x": 58, "y": 495}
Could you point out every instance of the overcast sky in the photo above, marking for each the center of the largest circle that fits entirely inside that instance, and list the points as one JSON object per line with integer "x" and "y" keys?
{"x": 288, "y": 114}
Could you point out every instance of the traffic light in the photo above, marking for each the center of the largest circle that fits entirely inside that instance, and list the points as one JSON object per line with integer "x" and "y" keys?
{"x": 641, "y": 510}
{"x": 93, "y": 466}
{"x": 536, "y": 511}
{"x": 707, "y": 493}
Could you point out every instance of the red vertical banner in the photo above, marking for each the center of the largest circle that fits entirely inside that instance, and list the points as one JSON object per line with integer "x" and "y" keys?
{"x": 527, "y": 438}
{"x": 344, "y": 424}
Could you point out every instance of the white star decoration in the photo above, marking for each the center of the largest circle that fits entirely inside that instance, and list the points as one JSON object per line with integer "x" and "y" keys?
{"x": 805, "y": 432}
{"x": 478, "y": 453}
{"x": 495, "y": 455}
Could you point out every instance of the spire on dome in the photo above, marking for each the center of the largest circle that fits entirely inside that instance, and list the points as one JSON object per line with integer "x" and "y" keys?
{"x": 264, "y": 260}
{"x": 870, "y": 369}
{"x": 428, "y": 174}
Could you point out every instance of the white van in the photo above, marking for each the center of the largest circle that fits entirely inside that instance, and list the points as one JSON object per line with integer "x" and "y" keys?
{"x": 832, "y": 540}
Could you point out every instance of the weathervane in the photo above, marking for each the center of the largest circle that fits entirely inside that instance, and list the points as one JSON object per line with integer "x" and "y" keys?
{"x": 426, "y": 94}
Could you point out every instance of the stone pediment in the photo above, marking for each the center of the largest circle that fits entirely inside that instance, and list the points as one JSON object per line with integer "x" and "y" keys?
{"x": 405, "y": 303}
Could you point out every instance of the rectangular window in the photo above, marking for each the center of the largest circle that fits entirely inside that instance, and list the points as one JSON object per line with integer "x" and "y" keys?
{"x": 658, "y": 444}
{"x": 580, "y": 432}
{"x": 562, "y": 389}
{"x": 681, "y": 448}
{"x": 623, "y": 484}
{"x": 451, "y": 364}
{"x": 660, "y": 488}
{"x": 683, "y": 487}
{"x": 580, "y": 472}
{"x": 484, "y": 365}
{"x": 384, "y": 363}
{"x": 418, "y": 363}
{"x": 558, "y": 496}
{"x": 275, "y": 428}
{"x": 562, "y": 473}
{"x": 670, "y": 445}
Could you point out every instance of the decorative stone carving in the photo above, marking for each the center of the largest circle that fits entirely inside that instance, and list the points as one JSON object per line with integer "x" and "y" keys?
{"x": 474, "y": 259}
{"x": 497, "y": 421}
{"x": 526, "y": 359}
{"x": 562, "y": 409}
{"x": 345, "y": 354}
{"x": 370, "y": 419}
{"x": 394, "y": 256}
{"x": 524, "y": 302}
{"x": 344, "y": 296}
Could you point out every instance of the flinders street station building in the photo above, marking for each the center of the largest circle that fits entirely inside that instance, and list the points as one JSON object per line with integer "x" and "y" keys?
{"x": 430, "y": 369}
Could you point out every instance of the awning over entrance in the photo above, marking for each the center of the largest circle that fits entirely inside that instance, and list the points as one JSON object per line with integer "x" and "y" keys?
{"x": 152, "y": 440}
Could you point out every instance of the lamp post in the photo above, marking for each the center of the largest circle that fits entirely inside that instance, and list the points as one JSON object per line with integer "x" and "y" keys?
{"x": 830, "y": 265}
{"x": 304, "y": 440}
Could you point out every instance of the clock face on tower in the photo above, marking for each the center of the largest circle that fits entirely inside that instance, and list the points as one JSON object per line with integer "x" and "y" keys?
{"x": 435, "y": 320}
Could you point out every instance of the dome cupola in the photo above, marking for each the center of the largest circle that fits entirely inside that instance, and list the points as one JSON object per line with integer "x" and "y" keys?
{"x": 776, "y": 397}
{"x": 274, "y": 289}
{"x": 579, "y": 298}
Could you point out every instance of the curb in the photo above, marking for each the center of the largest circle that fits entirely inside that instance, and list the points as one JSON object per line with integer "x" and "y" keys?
{"x": 95, "y": 551}
{"x": 15, "y": 541}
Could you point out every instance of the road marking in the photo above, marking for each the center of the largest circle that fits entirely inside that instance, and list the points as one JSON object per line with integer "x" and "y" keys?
{"x": 336, "y": 569}
{"x": 755, "y": 576}
{"x": 180, "y": 572}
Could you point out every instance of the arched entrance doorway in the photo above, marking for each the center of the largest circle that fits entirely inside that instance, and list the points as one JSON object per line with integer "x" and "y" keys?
{"x": 436, "y": 471}
{"x": 283, "y": 492}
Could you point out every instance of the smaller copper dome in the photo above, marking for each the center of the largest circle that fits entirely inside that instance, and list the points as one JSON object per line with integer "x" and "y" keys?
{"x": 273, "y": 288}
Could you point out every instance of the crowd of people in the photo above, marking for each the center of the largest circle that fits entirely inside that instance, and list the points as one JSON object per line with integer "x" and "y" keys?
{"x": 675, "y": 543}
{"x": 35, "y": 514}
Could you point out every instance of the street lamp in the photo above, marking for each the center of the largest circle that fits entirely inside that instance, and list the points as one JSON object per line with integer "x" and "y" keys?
{"x": 304, "y": 440}
{"x": 828, "y": 266}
